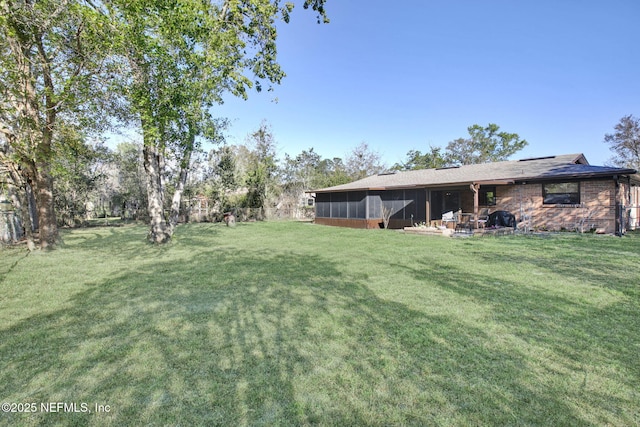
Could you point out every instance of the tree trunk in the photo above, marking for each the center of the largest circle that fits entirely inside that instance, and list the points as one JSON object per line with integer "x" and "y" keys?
{"x": 28, "y": 223}
{"x": 46, "y": 213}
{"x": 38, "y": 178}
{"x": 177, "y": 195}
{"x": 36, "y": 164}
{"x": 44, "y": 154}
{"x": 160, "y": 231}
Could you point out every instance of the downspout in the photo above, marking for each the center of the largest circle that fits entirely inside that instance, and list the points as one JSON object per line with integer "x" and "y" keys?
{"x": 618, "y": 207}
{"x": 634, "y": 204}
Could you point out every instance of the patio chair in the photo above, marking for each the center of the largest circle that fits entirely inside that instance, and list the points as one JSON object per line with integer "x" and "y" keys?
{"x": 448, "y": 217}
{"x": 463, "y": 223}
{"x": 483, "y": 217}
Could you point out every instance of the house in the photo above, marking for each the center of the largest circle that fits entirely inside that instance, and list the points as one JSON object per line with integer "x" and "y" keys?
{"x": 549, "y": 193}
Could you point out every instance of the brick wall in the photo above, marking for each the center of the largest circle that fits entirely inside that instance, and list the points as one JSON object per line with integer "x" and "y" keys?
{"x": 596, "y": 208}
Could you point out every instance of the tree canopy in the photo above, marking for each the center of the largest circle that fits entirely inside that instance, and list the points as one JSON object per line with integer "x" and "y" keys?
{"x": 484, "y": 145}
{"x": 363, "y": 161}
{"x": 434, "y": 158}
{"x": 625, "y": 142}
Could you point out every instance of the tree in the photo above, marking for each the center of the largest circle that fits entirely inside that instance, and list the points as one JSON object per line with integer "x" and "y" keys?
{"x": 416, "y": 160}
{"x": 50, "y": 53}
{"x": 332, "y": 172}
{"x": 225, "y": 168}
{"x": 182, "y": 58}
{"x": 301, "y": 173}
{"x": 625, "y": 142}
{"x": 169, "y": 82}
{"x": 363, "y": 161}
{"x": 261, "y": 174}
{"x": 221, "y": 177}
{"x": 309, "y": 171}
{"x": 485, "y": 145}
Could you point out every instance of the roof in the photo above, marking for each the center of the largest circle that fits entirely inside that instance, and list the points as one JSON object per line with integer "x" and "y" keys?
{"x": 567, "y": 166}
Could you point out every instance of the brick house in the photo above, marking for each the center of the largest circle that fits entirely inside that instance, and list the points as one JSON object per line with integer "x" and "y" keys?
{"x": 548, "y": 193}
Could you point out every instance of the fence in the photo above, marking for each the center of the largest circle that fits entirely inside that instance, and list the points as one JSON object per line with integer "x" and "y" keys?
{"x": 202, "y": 210}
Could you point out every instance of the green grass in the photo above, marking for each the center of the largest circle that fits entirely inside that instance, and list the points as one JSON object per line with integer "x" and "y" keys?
{"x": 297, "y": 324}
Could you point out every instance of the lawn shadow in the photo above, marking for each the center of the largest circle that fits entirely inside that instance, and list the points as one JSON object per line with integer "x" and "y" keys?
{"x": 254, "y": 338}
{"x": 574, "y": 338}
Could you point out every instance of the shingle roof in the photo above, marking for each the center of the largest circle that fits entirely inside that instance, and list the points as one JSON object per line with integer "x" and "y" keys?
{"x": 563, "y": 166}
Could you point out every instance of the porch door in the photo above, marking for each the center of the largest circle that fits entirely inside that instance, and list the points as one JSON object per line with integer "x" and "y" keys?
{"x": 444, "y": 201}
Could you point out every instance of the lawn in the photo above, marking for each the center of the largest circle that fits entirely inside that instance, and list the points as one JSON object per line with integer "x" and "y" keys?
{"x": 284, "y": 323}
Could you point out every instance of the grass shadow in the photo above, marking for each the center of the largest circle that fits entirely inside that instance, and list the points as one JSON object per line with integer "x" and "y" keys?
{"x": 579, "y": 339}
{"x": 261, "y": 339}
{"x": 204, "y": 332}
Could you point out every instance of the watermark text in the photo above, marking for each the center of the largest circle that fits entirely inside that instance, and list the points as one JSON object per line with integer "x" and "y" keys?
{"x": 55, "y": 407}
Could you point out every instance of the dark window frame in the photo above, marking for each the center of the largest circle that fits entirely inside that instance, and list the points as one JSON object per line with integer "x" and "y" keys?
{"x": 484, "y": 199}
{"x": 560, "y": 194}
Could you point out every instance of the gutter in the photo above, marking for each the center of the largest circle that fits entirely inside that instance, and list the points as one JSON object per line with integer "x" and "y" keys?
{"x": 499, "y": 181}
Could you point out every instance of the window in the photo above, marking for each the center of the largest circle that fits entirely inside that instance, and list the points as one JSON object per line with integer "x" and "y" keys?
{"x": 565, "y": 193}
{"x": 487, "y": 196}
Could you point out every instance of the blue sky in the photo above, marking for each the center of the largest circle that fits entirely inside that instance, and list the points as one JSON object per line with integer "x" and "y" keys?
{"x": 407, "y": 75}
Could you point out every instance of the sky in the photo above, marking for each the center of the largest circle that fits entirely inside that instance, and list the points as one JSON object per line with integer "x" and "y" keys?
{"x": 414, "y": 74}
{"x": 407, "y": 76}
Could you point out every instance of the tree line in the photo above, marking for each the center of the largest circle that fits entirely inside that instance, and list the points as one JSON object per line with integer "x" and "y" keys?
{"x": 93, "y": 180}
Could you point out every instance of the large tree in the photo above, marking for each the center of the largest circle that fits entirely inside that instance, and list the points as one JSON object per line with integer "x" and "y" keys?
{"x": 625, "y": 142}
{"x": 484, "y": 145}
{"x": 50, "y": 52}
{"x": 183, "y": 55}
